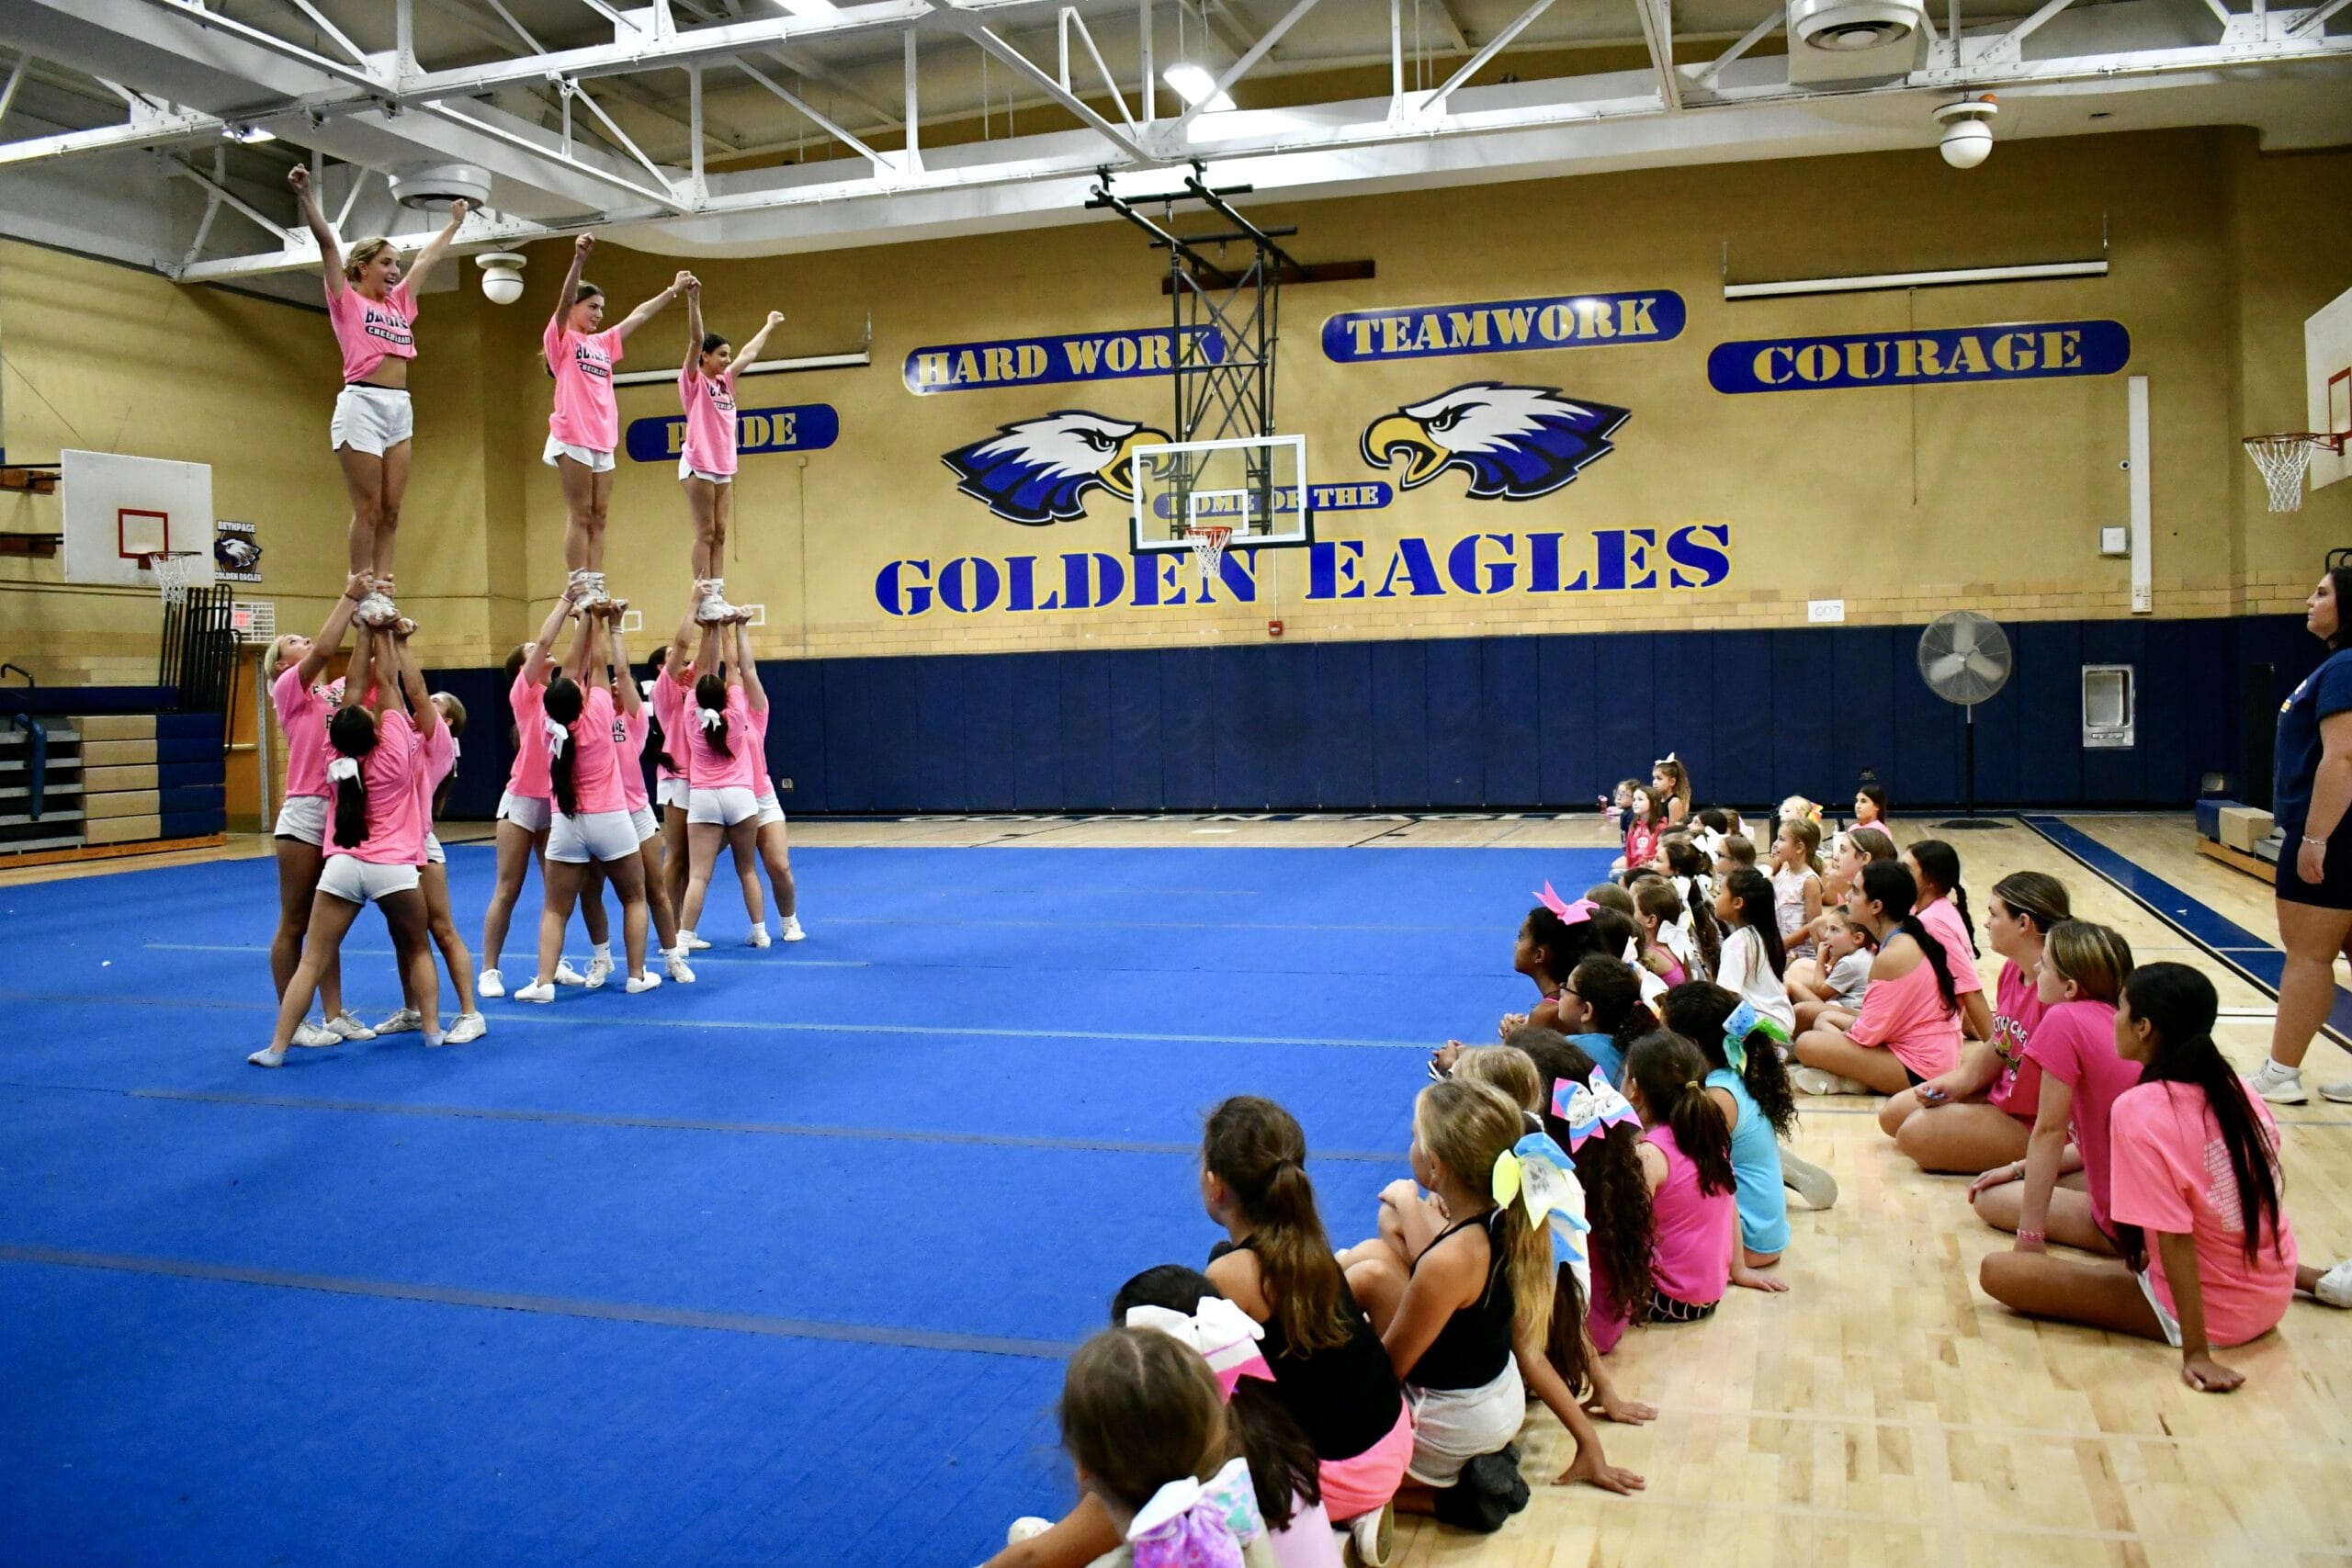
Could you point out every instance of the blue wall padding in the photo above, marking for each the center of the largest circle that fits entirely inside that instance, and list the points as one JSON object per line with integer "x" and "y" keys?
{"x": 1479, "y": 723}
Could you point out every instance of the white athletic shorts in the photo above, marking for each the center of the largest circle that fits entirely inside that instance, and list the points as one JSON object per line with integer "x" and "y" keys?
{"x": 304, "y": 816}
{"x": 1453, "y": 1426}
{"x": 592, "y": 835}
{"x": 769, "y": 810}
{"x": 594, "y": 461}
{"x": 641, "y": 818}
{"x": 529, "y": 812}
{"x": 433, "y": 855}
{"x": 372, "y": 420}
{"x": 672, "y": 792}
{"x": 724, "y": 807}
{"x": 356, "y": 881}
{"x": 688, "y": 471}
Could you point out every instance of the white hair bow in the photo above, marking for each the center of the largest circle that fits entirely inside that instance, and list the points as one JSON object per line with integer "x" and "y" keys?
{"x": 1653, "y": 983}
{"x": 558, "y": 736}
{"x": 344, "y": 768}
{"x": 1225, "y": 1337}
{"x": 713, "y": 720}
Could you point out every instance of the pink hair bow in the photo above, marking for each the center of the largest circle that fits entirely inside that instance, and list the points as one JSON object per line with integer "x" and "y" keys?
{"x": 1188, "y": 1525}
{"x": 1574, "y": 914}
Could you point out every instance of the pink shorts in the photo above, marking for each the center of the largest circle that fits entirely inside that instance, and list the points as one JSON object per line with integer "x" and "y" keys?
{"x": 1366, "y": 1482}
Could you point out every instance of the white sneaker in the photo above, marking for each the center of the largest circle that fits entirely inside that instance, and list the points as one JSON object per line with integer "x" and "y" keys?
{"x": 759, "y": 937}
{"x": 2335, "y": 1287}
{"x": 675, "y": 962}
{"x": 2339, "y": 1091}
{"x": 308, "y": 1034}
{"x": 1820, "y": 1080}
{"x": 1028, "y": 1527}
{"x": 599, "y": 969}
{"x": 638, "y": 984}
{"x": 346, "y": 1025}
{"x": 1373, "y": 1537}
{"x": 469, "y": 1026}
{"x": 565, "y": 975}
{"x": 690, "y": 942}
{"x": 376, "y": 610}
{"x": 266, "y": 1057}
{"x": 2279, "y": 1086}
{"x": 791, "y": 930}
{"x": 536, "y": 991}
{"x": 408, "y": 1021}
{"x": 1808, "y": 1180}
{"x": 490, "y": 983}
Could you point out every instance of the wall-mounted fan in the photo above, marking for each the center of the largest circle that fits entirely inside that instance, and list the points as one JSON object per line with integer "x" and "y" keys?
{"x": 1964, "y": 658}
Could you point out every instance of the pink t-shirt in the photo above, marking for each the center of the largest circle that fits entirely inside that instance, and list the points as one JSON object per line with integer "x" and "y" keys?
{"x": 741, "y": 766}
{"x": 631, "y": 726}
{"x": 1943, "y": 922}
{"x": 2017, "y": 1006}
{"x": 1695, "y": 1231}
{"x": 1640, "y": 844}
{"x": 2075, "y": 1042}
{"x": 372, "y": 331}
{"x": 436, "y": 757}
{"x": 1906, "y": 1016}
{"x": 671, "y": 700}
{"x": 2172, "y": 1173}
{"x": 710, "y": 420}
{"x": 595, "y": 760}
{"x": 302, "y": 715}
{"x": 388, "y": 777}
{"x": 528, "y": 779}
{"x": 582, "y": 364}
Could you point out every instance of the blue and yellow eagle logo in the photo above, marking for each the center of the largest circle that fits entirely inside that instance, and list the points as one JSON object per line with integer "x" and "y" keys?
{"x": 1515, "y": 443}
{"x": 1040, "y": 471}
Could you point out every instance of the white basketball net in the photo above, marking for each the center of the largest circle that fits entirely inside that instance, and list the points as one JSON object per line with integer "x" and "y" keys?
{"x": 176, "y": 574}
{"x": 1209, "y": 540}
{"x": 2282, "y": 459}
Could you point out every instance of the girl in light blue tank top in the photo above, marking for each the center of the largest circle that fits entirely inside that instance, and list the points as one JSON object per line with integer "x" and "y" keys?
{"x": 1746, "y": 1068}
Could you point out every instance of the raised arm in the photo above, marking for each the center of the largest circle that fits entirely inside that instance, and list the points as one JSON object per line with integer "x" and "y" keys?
{"x": 580, "y": 249}
{"x": 330, "y": 638}
{"x": 362, "y": 670}
{"x": 435, "y": 248}
{"x": 421, "y": 709}
{"x": 693, "y": 324}
{"x": 542, "y": 656}
{"x": 654, "y": 306}
{"x": 681, "y": 646}
{"x": 330, "y": 248}
{"x": 707, "y": 655}
{"x": 759, "y": 340}
{"x": 624, "y": 692}
{"x": 749, "y": 668}
{"x": 588, "y": 653}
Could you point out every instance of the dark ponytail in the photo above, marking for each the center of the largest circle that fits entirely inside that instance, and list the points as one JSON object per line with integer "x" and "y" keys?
{"x": 1940, "y": 863}
{"x": 1672, "y": 1075}
{"x": 710, "y": 692}
{"x": 2180, "y": 1003}
{"x": 1697, "y": 1012}
{"x": 1284, "y": 1469}
{"x": 1617, "y": 1197}
{"x": 351, "y": 732}
{"x": 563, "y": 702}
{"x": 1753, "y": 890}
{"x": 1887, "y": 884}
{"x": 1256, "y": 1149}
{"x": 1612, "y": 988}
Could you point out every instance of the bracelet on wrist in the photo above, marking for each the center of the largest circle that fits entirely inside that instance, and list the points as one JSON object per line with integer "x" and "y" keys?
{"x": 2024, "y": 1235}
{"x": 2309, "y": 839}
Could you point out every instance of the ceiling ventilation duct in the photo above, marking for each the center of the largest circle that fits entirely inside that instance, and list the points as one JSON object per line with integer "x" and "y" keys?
{"x": 1846, "y": 41}
{"x": 438, "y": 185}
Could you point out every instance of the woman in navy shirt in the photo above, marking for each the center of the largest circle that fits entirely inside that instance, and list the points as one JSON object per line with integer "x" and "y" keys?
{"x": 2309, "y": 797}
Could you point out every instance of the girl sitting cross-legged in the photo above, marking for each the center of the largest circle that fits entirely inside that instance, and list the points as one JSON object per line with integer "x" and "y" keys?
{"x": 1909, "y": 1027}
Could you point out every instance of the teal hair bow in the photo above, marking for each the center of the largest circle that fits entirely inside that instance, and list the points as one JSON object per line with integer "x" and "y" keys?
{"x": 1744, "y": 1021}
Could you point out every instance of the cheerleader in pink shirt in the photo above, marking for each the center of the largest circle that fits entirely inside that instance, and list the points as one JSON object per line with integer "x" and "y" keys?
{"x": 373, "y": 309}
{"x": 706, "y": 465}
{"x": 585, "y": 425}
{"x": 726, "y": 736}
{"x": 632, "y": 725}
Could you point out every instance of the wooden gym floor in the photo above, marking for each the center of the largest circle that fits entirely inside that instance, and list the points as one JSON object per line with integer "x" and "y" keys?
{"x": 1885, "y": 1410}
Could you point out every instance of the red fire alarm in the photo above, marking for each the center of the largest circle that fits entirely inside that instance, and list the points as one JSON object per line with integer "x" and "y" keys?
{"x": 1274, "y": 628}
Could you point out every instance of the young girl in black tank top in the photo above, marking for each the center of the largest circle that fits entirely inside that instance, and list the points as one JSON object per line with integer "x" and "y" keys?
{"x": 1464, "y": 1306}
{"x": 1329, "y": 1367}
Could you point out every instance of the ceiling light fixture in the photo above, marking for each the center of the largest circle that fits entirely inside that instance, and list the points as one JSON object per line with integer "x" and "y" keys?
{"x": 1193, "y": 83}
{"x": 246, "y": 133}
{"x": 1968, "y": 131}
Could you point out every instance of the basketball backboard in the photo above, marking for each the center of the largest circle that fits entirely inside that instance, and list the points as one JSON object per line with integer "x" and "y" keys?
{"x": 1254, "y": 485}
{"x": 2328, "y": 363}
{"x": 121, "y": 513}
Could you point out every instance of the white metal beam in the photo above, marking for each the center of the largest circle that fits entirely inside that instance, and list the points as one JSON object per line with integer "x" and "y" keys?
{"x": 1657, "y": 33}
{"x": 961, "y": 18}
{"x": 1747, "y": 40}
{"x": 319, "y": 20}
{"x": 1435, "y": 103}
{"x": 1240, "y": 67}
{"x": 2317, "y": 20}
{"x": 178, "y": 170}
{"x": 2032, "y": 24}
{"x": 358, "y": 75}
{"x": 665, "y": 197}
{"x": 16, "y": 80}
{"x": 883, "y": 165}
{"x": 149, "y": 129}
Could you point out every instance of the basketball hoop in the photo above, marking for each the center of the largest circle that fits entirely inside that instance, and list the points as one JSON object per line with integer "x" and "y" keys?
{"x": 176, "y": 573}
{"x": 2282, "y": 458}
{"x": 1209, "y": 540}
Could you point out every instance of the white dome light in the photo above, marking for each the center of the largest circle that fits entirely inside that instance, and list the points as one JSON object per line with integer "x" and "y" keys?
{"x": 1968, "y": 132}
{"x": 501, "y": 276}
